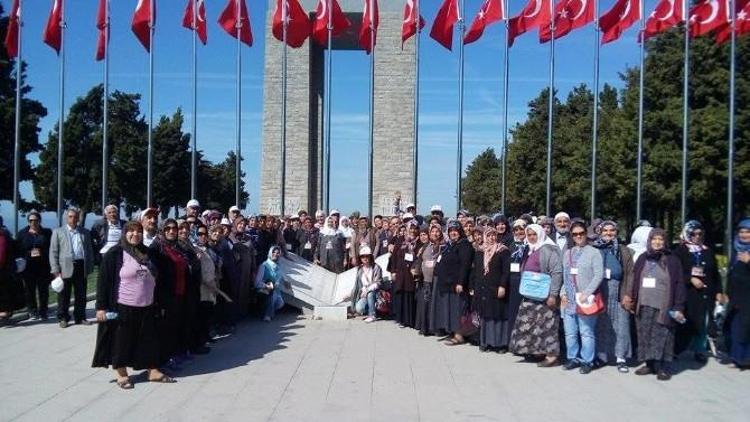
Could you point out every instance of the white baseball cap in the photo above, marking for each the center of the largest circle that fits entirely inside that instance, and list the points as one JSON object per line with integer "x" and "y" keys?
{"x": 436, "y": 208}
{"x": 365, "y": 250}
{"x": 407, "y": 215}
{"x": 193, "y": 203}
{"x": 410, "y": 206}
{"x": 335, "y": 212}
{"x": 234, "y": 208}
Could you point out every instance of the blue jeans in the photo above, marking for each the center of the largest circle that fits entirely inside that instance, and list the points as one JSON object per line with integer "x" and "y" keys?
{"x": 583, "y": 325}
{"x": 274, "y": 302}
{"x": 366, "y": 303}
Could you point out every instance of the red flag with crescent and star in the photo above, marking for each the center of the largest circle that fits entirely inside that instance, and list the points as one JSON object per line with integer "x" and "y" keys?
{"x": 409, "y": 25}
{"x": 53, "y": 30}
{"x": 11, "y": 37}
{"x": 491, "y": 11}
{"x": 101, "y": 25}
{"x": 442, "y": 27}
{"x": 666, "y": 15}
{"x": 370, "y": 19}
{"x": 535, "y": 14}
{"x": 200, "y": 19}
{"x": 619, "y": 18}
{"x": 741, "y": 26}
{"x": 338, "y": 20}
{"x": 235, "y": 14}
{"x": 708, "y": 15}
{"x": 142, "y": 23}
{"x": 569, "y": 15}
{"x": 298, "y": 23}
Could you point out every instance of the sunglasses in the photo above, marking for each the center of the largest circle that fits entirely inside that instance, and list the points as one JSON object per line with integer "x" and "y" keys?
{"x": 170, "y": 228}
{"x": 33, "y": 220}
{"x": 202, "y": 234}
{"x": 578, "y": 234}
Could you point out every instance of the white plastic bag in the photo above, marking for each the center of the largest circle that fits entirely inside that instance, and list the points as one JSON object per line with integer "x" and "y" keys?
{"x": 57, "y": 284}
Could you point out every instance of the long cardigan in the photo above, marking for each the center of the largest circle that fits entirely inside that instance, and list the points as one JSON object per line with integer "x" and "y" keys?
{"x": 108, "y": 283}
{"x": 696, "y": 305}
{"x": 377, "y": 278}
{"x": 738, "y": 290}
{"x": 486, "y": 286}
{"x": 590, "y": 270}
{"x": 454, "y": 266}
{"x": 676, "y": 293}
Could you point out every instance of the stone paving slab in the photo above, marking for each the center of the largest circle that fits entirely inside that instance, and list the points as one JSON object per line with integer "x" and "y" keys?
{"x": 296, "y": 369}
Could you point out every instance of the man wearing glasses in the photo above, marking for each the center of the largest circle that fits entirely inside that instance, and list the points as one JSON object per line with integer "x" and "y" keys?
{"x": 71, "y": 257}
{"x": 33, "y": 243}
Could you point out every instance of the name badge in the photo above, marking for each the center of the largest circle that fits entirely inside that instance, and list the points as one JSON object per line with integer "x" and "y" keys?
{"x": 574, "y": 271}
{"x": 35, "y": 253}
{"x": 649, "y": 282}
{"x": 409, "y": 257}
{"x": 329, "y": 245}
{"x": 439, "y": 258}
{"x": 348, "y": 245}
{"x": 607, "y": 273}
{"x": 288, "y": 247}
{"x": 515, "y": 267}
{"x": 308, "y": 245}
{"x": 698, "y": 272}
{"x": 429, "y": 264}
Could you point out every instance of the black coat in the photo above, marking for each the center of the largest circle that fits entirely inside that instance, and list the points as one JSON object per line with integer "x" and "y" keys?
{"x": 699, "y": 303}
{"x": 486, "y": 286}
{"x": 738, "y": 290}
{"x": 28, "y": 241}
{"x": 397, "y": 264}
{"x": 108, "y": 284}
{"x": 454, "y": 267}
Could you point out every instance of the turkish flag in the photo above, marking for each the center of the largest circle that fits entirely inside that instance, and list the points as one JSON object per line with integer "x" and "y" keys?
{"x": 442, "y": 27}
{"x": 339, "y": 22}
{"x": 142, "y": 22}
{"x": 53, "y": 30}
{"x": 708, "y": 15}
{"x": 491, "y": 11}
{"x": 667, "y": 14}
{"x": 535, "y": 14}
{"x": 741, "y": 26}
{"x": 369, "y": 17}
{"x": 619, "y": 18}
{"x": 236, "y": 13}
{"x": 298, "y": 23}
{"x": 101, "y": 25}
{"x": 409, "y": 25}
{"x": 200, "y": 19}
{"x": 569, "y": 15}
{"x": 11, "y": 37}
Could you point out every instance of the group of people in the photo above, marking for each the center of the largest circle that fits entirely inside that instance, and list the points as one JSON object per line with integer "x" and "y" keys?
{"x": 558, "y": 291}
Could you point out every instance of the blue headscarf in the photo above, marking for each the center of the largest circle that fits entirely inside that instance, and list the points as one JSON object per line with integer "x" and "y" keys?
{"x": 739, "y": 246}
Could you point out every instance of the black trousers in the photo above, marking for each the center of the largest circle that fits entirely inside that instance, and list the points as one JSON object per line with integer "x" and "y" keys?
{"x": 36, "y": 280}
{"x": 77, "y": 284}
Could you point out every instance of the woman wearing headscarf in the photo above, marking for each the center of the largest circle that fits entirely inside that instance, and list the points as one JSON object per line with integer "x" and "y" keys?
{"x": 489, "y": 287}
{"x": 583, "y": 271}
{"x": 192, "y": 336}
{"x": 363, "y": 236}
{"x": 738, "y": 291}
{"x": 366, "y": 284}
{"x": 656, "y": 295}
{"x": 331, "y": 251}
{"x": 426, "y": 260}
{"x": 210, "y": 279}
{"x": 268, "y": 281}
{"x": 307, "y": 238}
{"x": 347, "y": 231}
{"x": 504, "y": 233}
{"x": 701, "y": 275}
{"x": 536, "y": 331}
{"x": 403, "y": 268}
{"x": 244, "y": 254}
{"x": 452, "y": 271}
{"x": 518, "y": 253}
{"x": 126, "y": 310}
{"x": 639, "y": 241}
{"x": 613, "y": 343}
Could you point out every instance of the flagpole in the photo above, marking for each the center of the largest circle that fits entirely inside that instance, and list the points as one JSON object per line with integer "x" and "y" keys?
{"x": 639, "y": 160}
{"x": 730, "y": 155}
{"x": 17, "y": 142}
{"x": 284, "y": 26}
{"x": 238, "y": 115}
{"x": 595, "y": 124}
{"x": 149, "y": 160}
{"x": 194, "y": 129}
{"x": 506, "y": 77}
{"x": 548, "y": 201}
{"x": 105, "y": 118}
{"x": 371, "y": 153}
{"x": 61, "y": 129}
{"x": 415, "y": 147}
{"x": 685, "y": 114}
{"x": 459, "y": 155}
{"x": 327, "y": 111}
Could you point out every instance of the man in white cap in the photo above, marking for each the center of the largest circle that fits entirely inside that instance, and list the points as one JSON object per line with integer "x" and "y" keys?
{"x": 335, "y": 216}
{"x": 320, "y": 219}
{"x": 107, "y": 231}
{"x": 562, "y": 227}
{"x": 234, "y": 212}
{"x": 411, "y": 208}
{"x": 192, "y": 209}
{"x": 149, "y": 219}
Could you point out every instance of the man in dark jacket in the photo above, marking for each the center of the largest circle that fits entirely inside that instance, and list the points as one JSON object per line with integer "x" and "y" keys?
{"x": 106, "y": 232}
{"x": 33, "y": 245}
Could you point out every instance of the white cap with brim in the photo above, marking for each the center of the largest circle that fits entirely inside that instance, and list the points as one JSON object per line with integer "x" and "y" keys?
{"x": 436, "y": 208}
{"x": 225, "y": 222}
{"x": 411, "y": 206}
{"x": 234, "y": 208}
{"x": 193, "y": 203}
{"x": 407, "y": 216}
{"x": 335, "y": 212}
{"x": 365, "y": 250}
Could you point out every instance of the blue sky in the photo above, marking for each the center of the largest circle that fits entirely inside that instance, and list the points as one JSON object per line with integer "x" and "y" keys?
{"x": 216, "y": 86}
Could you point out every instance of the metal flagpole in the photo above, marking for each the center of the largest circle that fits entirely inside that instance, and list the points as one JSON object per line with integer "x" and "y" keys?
{"x": 730, "y": 155}
{"x": 416, "y": 102}
{"x": 506, "y": 85}
{"x": 548, "y": 201}
{"x": 460, "y": 146}
{"x": 284, "y": 26}
{"x": 327, "y": 111}
{"x": 685, "y": 114}
{"x": 595, "y": 124}
{"x": 371, "y": 153}
{"x": 61, "y": 129}
{"x": 149, "y": 164}
{"x": 238, "y": 116}
{"x": 17, "y": 143}
{"x": 194, "y": 152}
{"x": 639, "y": 160}
{"x": 105, "y": 118}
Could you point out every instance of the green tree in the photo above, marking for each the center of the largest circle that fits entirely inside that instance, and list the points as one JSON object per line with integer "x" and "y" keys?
{"x": 216, "y": 184}
{"x": 171, "y": 172}
{"x": 482, "y": 184}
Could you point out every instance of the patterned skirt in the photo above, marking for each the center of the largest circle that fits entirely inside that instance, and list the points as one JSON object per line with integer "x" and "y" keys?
{"x": 536, "y": 330}
{"x": 655, "y": 341}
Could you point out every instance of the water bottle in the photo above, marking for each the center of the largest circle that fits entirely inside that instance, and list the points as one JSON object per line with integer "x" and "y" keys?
{"x": 110, "y": 315}
{"x": 680, "y": 320}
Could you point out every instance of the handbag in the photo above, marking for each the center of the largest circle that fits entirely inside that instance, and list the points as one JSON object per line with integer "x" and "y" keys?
{"x": 589, "y": 308}
{"x": 535, "y": 286}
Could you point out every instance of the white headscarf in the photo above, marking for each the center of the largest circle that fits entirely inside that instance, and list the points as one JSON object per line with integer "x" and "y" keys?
{"x": 639, "y": 241}
{"x": 347, "y": 230}
{"x": 327, "y": 229}
{"x": 541, "y": 237}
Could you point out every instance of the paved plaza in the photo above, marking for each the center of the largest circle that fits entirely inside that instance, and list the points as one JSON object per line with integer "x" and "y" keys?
{"x": 296, "y": 369}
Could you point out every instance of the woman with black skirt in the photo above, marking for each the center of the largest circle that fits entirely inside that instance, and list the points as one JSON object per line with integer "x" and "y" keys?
{"x": 402, "y": 266}
{"x": 489, "y": 286}
{"x": 126, "y": 311}
{"x": 453, "y": 267}
{"x": 426, "y": 260}
{"x": 518, "y": 253}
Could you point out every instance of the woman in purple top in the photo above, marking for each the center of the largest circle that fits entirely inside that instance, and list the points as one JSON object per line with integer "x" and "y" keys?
{"x": 125, "y": 310}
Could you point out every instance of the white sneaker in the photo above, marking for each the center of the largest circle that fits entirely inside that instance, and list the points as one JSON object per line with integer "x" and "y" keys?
{"x": 369, "y": 319}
